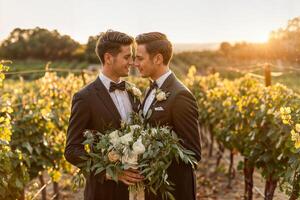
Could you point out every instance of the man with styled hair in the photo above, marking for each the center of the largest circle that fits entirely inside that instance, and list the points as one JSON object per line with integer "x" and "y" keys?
{"x": 178, "y": 109}
{"x": 101, "y": 106}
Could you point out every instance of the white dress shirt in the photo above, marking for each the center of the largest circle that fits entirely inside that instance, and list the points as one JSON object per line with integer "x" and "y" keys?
{"x": 151, "y": 96}
{"x": 120, "y": 99}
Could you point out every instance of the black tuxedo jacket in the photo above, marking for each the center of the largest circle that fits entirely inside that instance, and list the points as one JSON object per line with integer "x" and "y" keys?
{"x": 180, "y": 112}
{"x": 93, "y": 108}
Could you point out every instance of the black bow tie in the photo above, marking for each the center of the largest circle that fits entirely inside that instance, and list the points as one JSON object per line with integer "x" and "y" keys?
{"x": 117, "y": 86}
{"x": 153, "y": 85}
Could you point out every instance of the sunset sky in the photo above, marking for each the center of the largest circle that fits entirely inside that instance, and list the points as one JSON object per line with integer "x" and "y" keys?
{"x": 186, "y": 21}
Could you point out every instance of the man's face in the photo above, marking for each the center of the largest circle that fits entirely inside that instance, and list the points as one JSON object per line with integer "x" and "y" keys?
{"x": 122, "y": 61}
{"x": 144, "y": 62}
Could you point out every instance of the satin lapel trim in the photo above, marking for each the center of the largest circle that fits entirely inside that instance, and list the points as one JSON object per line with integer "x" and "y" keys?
{"x": 105, "y": 97}
{"x": 165, "y": 86}
{"x": 133, "y": 103}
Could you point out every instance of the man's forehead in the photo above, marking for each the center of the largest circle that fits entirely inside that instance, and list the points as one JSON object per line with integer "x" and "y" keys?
{"x": 141, "y": 49}
{"x": 126, "y": 49}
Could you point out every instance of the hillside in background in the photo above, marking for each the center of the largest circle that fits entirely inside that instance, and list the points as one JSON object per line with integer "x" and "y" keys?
{"x": 181, "y": 47}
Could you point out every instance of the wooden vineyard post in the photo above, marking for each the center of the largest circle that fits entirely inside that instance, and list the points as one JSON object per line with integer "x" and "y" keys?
{"x": 267, "y": 68}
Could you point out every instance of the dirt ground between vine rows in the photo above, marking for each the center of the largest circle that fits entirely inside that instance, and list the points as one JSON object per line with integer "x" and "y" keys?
{"x": 211, "y": 183}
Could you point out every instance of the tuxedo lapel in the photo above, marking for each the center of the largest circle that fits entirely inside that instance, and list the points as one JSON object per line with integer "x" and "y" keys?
{"x": 146, "y": 96}
{"x": 131, "y": 99}
{"x": 165, "y": 88}
{"x": 104, "y": 96}
{"x": 134, "y": 101}
{"x": 168, "y": 83}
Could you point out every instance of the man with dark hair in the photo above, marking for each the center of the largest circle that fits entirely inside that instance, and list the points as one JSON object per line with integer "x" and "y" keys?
{"x": 101, "y": 106}
{"x": 169, "y": 102}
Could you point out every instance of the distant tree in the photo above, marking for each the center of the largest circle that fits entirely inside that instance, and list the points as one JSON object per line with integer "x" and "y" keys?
{"x": 225, "y": 48}
{"x": 38, "y": 43}
{"x": 90, "y": 54}
{"x": 285, "y": 42}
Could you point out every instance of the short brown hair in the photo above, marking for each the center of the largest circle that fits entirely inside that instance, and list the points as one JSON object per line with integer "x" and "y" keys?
{"x": 111, "y": 42}
{"x": 156, "y": 42}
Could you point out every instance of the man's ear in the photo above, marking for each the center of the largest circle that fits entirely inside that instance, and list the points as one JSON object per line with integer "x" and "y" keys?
{"x": 158, "y": 59}
{"x": 108, "y": 58}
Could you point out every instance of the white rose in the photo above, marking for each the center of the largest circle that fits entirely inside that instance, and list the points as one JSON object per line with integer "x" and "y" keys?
{"x": 161, "y": 96}
{"x": 136, "y": 92}
{"x": 138, "y": 147}
{"x": 153, "y": 131}
{"x": 125, "y": 139}
{"x": 143, "y": 133}
{"x": 131, "y": 160}
{"x": 114, "y": 137}
{"x": 164, "y": 129}
{"x": 134, "y": 127}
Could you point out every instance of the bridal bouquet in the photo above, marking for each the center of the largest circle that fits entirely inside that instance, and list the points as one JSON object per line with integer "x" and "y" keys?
{"x": 151, "y": 150}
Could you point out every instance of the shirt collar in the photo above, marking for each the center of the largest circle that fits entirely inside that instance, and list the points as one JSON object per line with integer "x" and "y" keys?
{"x": 106, "y": 81}
{"x": 162, "y": 78}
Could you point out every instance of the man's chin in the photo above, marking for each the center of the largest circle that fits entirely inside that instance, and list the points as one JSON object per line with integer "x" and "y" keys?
{"x": 124, "y": 74}
{"x": 144, "y": 75}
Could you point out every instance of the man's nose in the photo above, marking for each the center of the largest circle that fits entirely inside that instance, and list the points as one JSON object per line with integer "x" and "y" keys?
{"x": 135, "y": 63}
{"x": 131, "y": 62}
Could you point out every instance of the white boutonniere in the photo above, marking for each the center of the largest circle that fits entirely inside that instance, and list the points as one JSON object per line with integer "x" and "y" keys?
{"x": 133, "y": 90}
{"x": 136, "y": 92}
{"x": 161, "y": 95}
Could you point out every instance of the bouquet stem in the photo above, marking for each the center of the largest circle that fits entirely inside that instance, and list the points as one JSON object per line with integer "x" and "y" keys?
{"x": 136, "y": 192}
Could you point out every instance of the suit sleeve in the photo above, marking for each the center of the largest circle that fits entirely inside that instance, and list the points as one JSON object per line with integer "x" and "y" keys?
{"x": 185, "y": 121}
{"x": 79, "y": 121}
